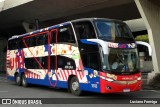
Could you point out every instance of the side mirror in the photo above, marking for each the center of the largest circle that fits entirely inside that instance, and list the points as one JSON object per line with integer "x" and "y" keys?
{"x": 145, "y": 44}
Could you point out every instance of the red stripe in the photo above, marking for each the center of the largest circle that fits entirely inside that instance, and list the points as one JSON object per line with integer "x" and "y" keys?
{"x": 62, "y": 71}
{"x": 31, "y": 75}
{"x": 76, "y": 72}
{"x": 67, "y": 73}
{"x": 34, "y": 76}
{"x": 58, "y": 74}
{"x": 80, "y": 74}
{"x": 70, "y": 72}
{"x": 28, "y": 74}
{"x": 65, "y": 76}
{"x": 61, "y": 74}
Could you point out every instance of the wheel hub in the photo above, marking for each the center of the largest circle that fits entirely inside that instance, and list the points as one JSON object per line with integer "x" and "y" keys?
{"x": 17, "y": 79}
{"x": 24, "y": 82}
{"x": 75, "y": 85}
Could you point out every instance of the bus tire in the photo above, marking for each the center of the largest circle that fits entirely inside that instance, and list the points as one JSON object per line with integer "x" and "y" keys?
{"x": 24, "y": 82}
{"x": 75, "y": 87}
{"x": 18, "y": 80}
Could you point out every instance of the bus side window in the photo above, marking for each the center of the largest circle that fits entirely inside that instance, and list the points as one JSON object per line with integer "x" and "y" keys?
{"x": 13, "y": 44}
{"x": 65, "y": 34}
{"x": 65, "y": 63}
{"x": 53, "y": 37}
{"x": 40, "y": 40}
{"x": 84, "y": 30}
{"x": 32, "y": 41}
{"x": 52, "y": 62}
{"x": 27, "y": 42}
{"x": 10, "y": 45}
{"x": 21, "y": 44}
{"x": 30, "y": 63}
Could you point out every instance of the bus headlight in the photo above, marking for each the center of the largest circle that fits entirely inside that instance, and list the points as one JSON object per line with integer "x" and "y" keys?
{"x": 110, "y": 80}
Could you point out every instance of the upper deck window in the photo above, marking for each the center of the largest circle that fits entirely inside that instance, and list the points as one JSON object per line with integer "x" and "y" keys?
{"x": 65, "y": 34}
{"x": 114, "y": 31}
{"x": 84, "y": 30}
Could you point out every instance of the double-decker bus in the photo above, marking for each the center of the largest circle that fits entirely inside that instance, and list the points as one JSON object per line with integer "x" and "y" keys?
{"x": 89, "y": 54}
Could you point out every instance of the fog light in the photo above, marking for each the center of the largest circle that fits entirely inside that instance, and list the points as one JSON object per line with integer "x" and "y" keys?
{"x": 139, "y": 78}
{"x": 108, "y": 87}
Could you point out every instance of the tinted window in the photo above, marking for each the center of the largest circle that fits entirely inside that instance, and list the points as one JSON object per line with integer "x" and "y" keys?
{"x": 65, "y": 34}
{"x": 65, "y": 63}
{"x": 62, "y": 62}
{"x": 53, "y": 37}
{"x": 13, "y": 44}
{"x": 37, "y": 40}
{"x": 21, "y": 44}
{"x": 84, "y": 30}
{"x": 41, "y": 39}
{"x": 31, "y": 63}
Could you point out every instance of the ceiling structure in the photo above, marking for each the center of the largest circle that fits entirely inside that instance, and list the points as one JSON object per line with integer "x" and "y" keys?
{"x": 50, "y": 12}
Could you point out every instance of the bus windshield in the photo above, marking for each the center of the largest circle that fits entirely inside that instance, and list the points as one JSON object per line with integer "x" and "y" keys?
{"x": 121, "y": 61}
{"x": 113, "y": 31}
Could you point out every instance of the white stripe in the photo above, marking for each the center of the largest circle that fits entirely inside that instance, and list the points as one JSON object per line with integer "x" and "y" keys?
{"x": 74, "y": 72}
{"x": 59, "y": 75}
{"x": 67, "y": 75}
{"x": 70, "y": 73}
{"x": 62, "y": 71}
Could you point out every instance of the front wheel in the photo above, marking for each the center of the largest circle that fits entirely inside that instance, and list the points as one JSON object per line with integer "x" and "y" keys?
{"x": 24, "y": 82}
{"x": 75, "y": 87}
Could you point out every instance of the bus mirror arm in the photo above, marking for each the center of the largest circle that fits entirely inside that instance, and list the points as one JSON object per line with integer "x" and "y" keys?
{"x": 145, "y": 44}
{"x": 104, "y": 44}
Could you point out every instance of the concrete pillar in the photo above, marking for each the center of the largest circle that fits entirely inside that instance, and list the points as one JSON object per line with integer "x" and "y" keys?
{"x": 150, "y": 13}
{"x": 3, "y": 44}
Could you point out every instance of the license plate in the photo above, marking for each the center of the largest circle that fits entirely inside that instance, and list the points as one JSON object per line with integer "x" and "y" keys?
{"x": 126, "y": 90}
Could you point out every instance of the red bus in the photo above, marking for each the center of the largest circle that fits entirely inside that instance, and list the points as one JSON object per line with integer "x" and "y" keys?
{"x": 90, "y": 54}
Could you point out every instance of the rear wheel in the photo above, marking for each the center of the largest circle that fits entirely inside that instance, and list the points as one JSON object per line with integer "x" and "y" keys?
{"x": 18, "y": 80}
{"x": 75, "y": 87}
{"x": 24, "y": 82}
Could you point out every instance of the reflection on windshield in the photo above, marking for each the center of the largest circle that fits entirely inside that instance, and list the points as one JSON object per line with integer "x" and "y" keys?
{"x": 104, "y": 30}
{"x": 113, "y": 31}
{"x": 123, "y": 60}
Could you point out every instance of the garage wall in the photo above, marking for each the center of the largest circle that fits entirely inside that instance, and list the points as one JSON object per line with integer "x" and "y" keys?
{"x": 3, "y": 44}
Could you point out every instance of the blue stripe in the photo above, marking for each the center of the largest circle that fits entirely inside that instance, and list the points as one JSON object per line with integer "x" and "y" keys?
{"x": 88, "y": 42}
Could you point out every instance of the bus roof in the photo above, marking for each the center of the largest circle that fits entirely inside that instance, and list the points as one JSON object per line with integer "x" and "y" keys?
{"x": 59, "y": 25}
